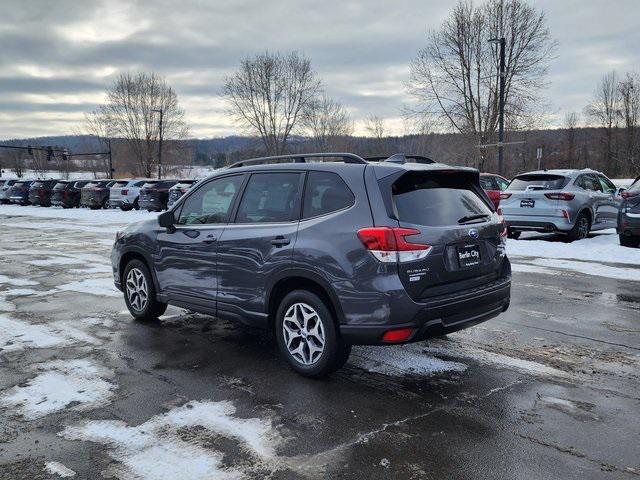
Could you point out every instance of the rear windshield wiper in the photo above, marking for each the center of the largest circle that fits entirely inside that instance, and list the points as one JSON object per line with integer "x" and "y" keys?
{"x": 471, "y": 218}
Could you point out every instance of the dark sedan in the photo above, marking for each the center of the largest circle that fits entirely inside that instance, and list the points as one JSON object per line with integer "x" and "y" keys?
{"x": 154, "y": 196}
{"x": 95, "y": 194}
{"x": 19, "y": 193}
{"x": 40, "y": 192}
{"x": 66, "y": 194}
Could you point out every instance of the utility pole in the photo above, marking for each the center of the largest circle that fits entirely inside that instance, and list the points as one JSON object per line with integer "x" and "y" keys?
{"x": 502, "y": 43}
{"x": 159, "y": 110}
{"x": 111, "y": 171}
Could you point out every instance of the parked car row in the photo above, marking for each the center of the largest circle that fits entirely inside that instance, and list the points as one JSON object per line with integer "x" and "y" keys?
{"x": 152, "y": 195}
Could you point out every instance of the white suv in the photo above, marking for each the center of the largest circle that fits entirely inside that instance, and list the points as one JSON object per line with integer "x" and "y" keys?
{"x": 124, "y": 193}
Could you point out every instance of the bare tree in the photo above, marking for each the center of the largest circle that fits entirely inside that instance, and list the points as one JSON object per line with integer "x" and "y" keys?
{"x": 269, "y": 94}
{"x": 129, "y": 114}
{"x": 98, "y": 125}
{"x": 455, "y": 78}
{"x": 605, "y": 111}
{"x": 327, "y": 122}
{"x": 375, "y": 127}
{"x": 629, "y": 98}
{"x": 571, "y": 121}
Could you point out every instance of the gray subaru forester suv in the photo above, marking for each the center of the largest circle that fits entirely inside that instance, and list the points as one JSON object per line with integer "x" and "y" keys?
{"x": 570, "y": 202}
{"x": 325, "y": 254}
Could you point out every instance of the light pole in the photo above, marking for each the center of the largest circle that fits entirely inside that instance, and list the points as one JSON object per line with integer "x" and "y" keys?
{"x": 160, "y": 111}
{"x": 502, "y": 42}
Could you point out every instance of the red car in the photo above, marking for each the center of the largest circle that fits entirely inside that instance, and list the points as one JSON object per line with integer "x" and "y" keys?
{"x": 493, "y": 184}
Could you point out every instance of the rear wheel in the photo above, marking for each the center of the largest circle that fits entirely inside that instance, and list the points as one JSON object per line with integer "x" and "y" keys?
{"x": 581, "y": 228}
{"x": 140, "y": 292}
{"x": 136, "y": 206}
{"x": 632, "y": 241}
{"x": 307, "y": 335}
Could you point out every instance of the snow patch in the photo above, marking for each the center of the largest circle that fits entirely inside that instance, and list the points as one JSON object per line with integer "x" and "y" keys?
{"x": 16, "y": 282}
{"x": 587, "y": 268}
{"x": 402, "y": 360}
{"x": 102, "y": 287}
{"x": 156, "y": 449}
{"x": 56, "y": 468}
{"x": 60, "y": 384}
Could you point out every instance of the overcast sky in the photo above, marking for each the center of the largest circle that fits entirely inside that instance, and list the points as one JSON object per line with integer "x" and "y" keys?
{"x": 57, "y": 57}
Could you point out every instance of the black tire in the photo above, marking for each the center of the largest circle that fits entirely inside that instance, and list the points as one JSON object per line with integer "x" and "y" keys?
{"x": 580, "y": 229}
{"x": 125, "y": 207}
{"x": 631, "y": 241}
{"x": 105, "y": 204}
{"x": 514, "y": 234}
{"x": 152, "y": 309}
{"x": 136, "y": 206}
{"x": 335, "y": 352}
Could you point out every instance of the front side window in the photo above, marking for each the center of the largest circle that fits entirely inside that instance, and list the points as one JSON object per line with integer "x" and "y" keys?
{"x": 211, "y": 203}
{"x": 606, "y": 184}
{"x": 270, "y": 197}
{"x": 325, "y": 193}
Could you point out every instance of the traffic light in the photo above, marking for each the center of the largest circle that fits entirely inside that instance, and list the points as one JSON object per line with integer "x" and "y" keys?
{"x": 49, "y": 154}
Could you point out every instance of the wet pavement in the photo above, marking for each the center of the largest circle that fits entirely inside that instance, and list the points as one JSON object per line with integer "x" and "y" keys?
{"x": 550, "y": 389}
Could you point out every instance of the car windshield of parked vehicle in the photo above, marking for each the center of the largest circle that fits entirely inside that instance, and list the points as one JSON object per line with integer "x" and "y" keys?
{"x": 37, "y": 185}
{"x": 325, "y": 193}
{"x": 60, "y": 185}
{"x": 93, "y": 185}
{"x": 211, "y": 203}
{"x": 436, "y": 199}
{"x": 269, "y": 197}
{"x": 538, "y": 182}
{"x": 21, "y": 184}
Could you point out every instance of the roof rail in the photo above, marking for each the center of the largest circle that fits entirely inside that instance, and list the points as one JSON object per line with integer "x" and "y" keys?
{"x": 400, "y": 158}
{"x": 300, "y": 158}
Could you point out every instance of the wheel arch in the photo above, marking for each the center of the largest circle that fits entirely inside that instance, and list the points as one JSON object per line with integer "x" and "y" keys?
{"x": 137, "y": 254}
{"x": 301, "y": 280}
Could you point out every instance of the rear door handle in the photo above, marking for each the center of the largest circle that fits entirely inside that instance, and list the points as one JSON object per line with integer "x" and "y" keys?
{"x": 210, "y": 239}
{"x": 280, "y": 241}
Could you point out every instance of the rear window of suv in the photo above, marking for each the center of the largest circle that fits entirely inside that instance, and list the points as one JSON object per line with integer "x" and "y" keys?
{"x": 120, "y": 184}
{"x": 538, "y": 182}
{"x": 436, "y": 199}
{"x": 60, "y": 185}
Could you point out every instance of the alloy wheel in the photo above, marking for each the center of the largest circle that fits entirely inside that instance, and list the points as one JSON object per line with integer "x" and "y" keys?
{"x": 137, "y": 291}
{"x": 583, "y": 227}
{"x": 303, "y": 333}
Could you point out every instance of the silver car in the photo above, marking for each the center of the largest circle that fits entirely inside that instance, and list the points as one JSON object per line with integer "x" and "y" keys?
{"x": 571, "y": 202}
{"x": 5, "y": 190}
{"x": 124, "y": 193}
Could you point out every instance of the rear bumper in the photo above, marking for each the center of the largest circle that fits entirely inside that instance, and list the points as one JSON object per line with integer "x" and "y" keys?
{"x": 538, "y": 223}
{"x": 628, "y": 225}
{"x": 155, "y": 204}
{"x": 440, "y": 315}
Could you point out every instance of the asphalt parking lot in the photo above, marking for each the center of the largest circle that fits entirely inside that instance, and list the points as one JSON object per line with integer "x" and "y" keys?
{"x": 550, "y": 389}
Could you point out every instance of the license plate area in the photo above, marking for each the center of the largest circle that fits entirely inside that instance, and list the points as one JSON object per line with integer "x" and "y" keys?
{"x": 527, "y": 203}
{"x": 469, "y": 256}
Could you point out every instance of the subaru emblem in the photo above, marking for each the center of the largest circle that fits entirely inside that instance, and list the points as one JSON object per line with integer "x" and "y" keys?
{"x": 473, "y": 233}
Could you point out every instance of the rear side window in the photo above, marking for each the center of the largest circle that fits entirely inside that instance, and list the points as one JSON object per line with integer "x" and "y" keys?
{"x": 325, "y": 192}
{"x": 270, "y": 197}
{"x": 589, "y": 182}
{"x": 436, "y": 199}
{"x": 538, "y": 182}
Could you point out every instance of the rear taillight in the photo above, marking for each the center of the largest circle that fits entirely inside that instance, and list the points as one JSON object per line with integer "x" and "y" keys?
{"x": 397, "y": 335}
{"x": 627, "y": 194}
{"x": 124, "y": 191}
{"x": 388, "y": 244}
{"x": 560, "y": 196}
{"x": 504, "y": 196}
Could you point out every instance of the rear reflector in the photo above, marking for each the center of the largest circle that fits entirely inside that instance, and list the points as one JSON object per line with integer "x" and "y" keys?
{"x": 504, "y": 196}
{"x": 560, "y": 196}
{"x": 398, "y": 335}
{"x": 388, "y": 244}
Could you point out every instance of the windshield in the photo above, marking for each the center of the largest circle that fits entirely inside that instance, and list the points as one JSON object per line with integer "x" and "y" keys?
{"x": 120, "y": 184}
{"x": 437, "y": 199}
{"x": 538, "y": 182}
{"x": 60, "y": 186}
{"x": 37, "y": 184}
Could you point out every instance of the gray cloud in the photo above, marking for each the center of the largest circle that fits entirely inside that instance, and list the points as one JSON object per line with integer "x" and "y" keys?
{"x": 58, "y": 57}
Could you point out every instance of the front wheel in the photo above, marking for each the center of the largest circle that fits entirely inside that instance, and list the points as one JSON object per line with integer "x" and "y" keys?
{"x": 307, "y": 335}
{"x": 140, "y": 292}
{"x": 631, "y": 241}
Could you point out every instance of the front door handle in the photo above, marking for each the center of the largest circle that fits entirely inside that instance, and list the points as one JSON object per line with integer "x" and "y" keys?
{"x": 210, "y": 239}
{"x": 280, "y": 241}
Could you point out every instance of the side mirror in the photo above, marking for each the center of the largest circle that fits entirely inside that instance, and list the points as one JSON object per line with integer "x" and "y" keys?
{"x": 167, "y": 220}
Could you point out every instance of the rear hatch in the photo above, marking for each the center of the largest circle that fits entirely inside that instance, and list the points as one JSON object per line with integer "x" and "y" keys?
{"x": 155, "y": 192}
{"x": 118, "y": 191}
{"x": 527, "y": 195}
{"x": 59, "y": 192}
{"x": 93, "y": 193}
{"x": 179, "y": 189}
{"x": 448, "y": 211}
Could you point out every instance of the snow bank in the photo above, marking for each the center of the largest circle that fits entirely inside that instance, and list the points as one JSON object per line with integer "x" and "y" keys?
{"x": 96, "y": 217}
{"x": 56, "y": 468}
